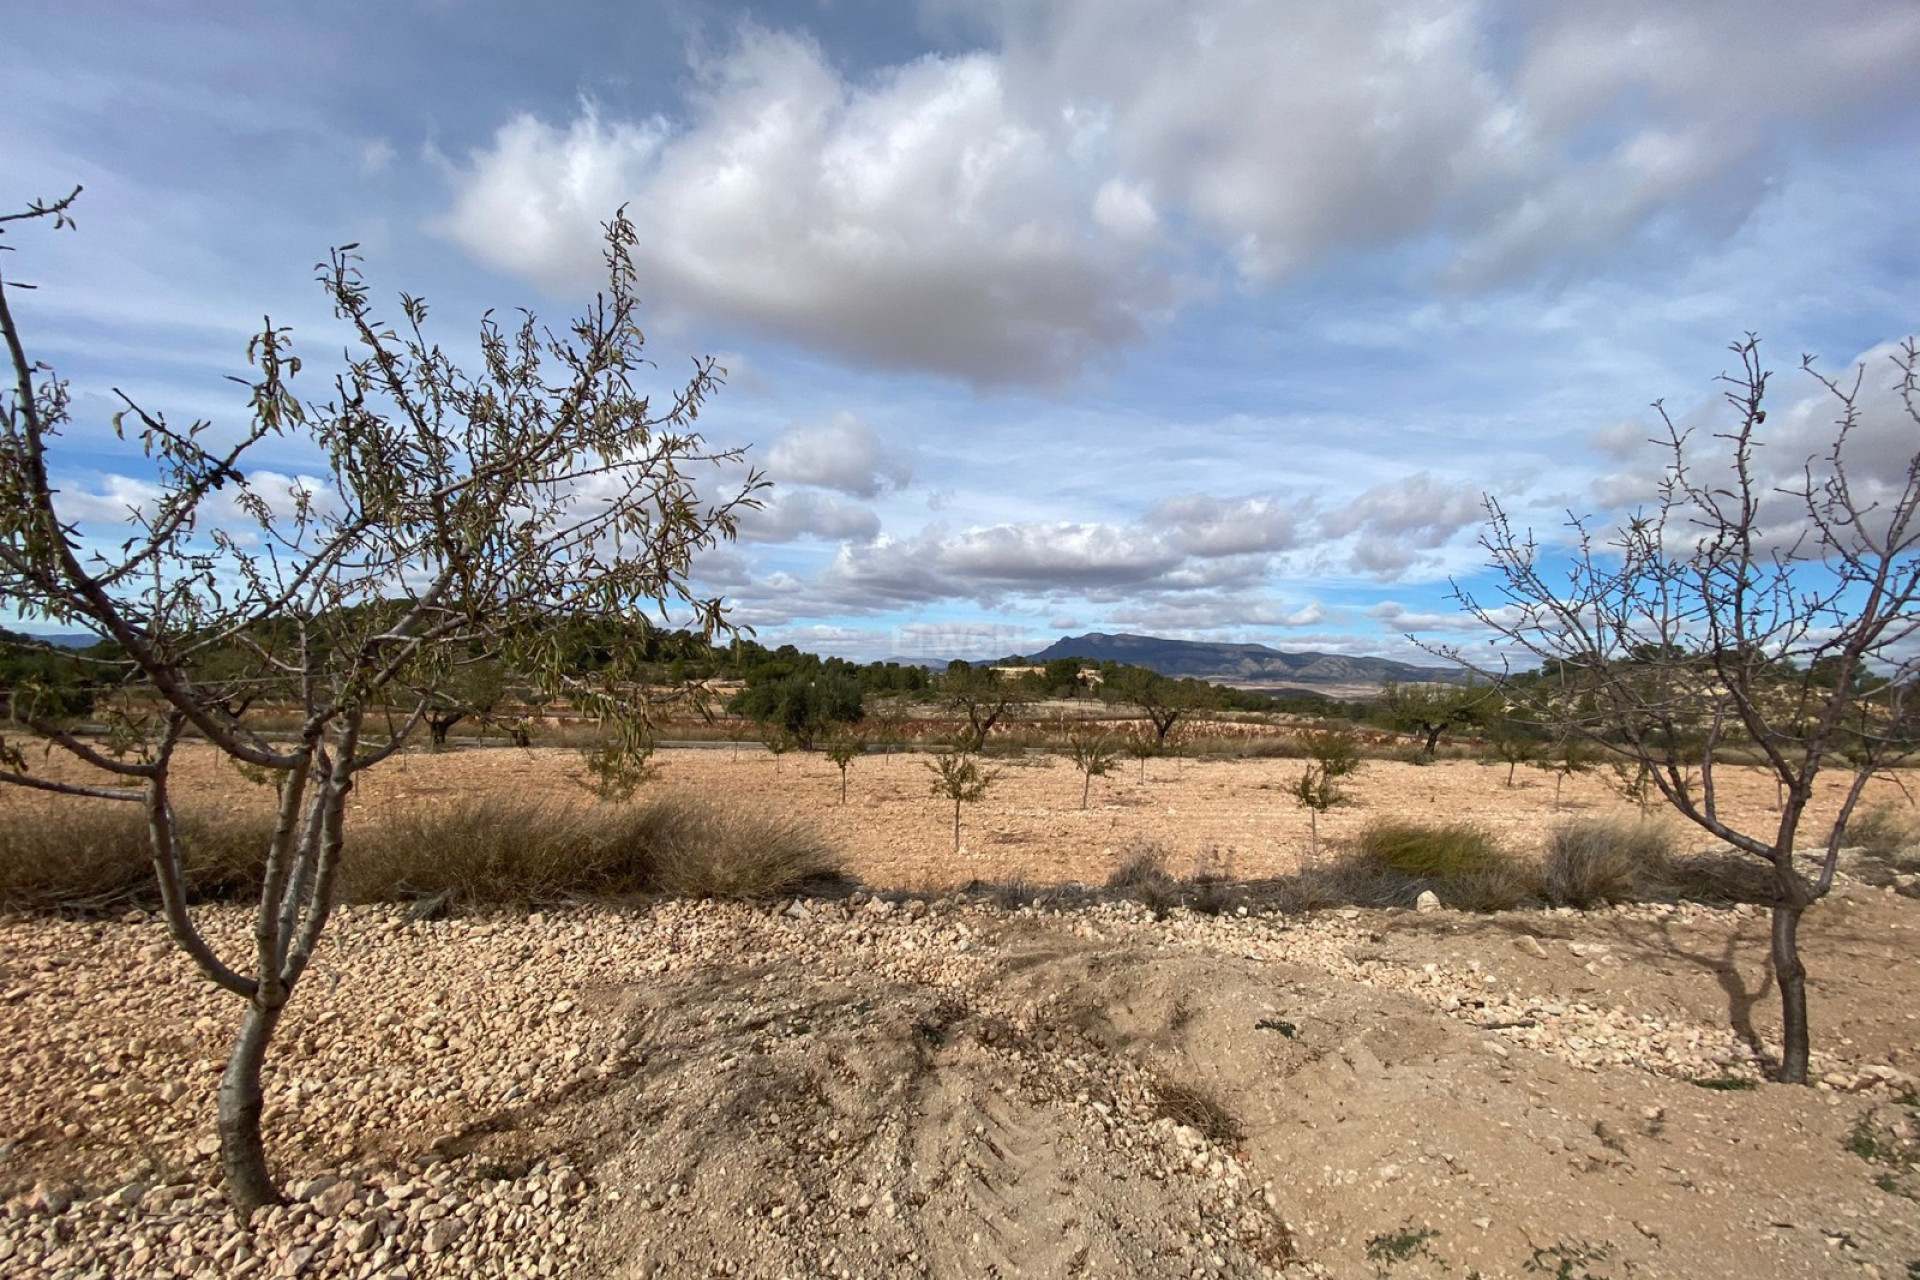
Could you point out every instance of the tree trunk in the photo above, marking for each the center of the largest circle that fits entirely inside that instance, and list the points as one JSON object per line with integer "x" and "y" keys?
{"x": 843, "y": 786}
{"x": 1313, "y": 834}
{"x": 956, "y": 826}
{"x": 1433, "y": 736}
{"x": 1792, "y": 977}
{"x": 243, "y": 1153}
{"x": 1086, "y": 790}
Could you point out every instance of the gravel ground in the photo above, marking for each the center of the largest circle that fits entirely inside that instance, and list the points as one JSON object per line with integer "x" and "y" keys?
{"x": 871, "y": 1087}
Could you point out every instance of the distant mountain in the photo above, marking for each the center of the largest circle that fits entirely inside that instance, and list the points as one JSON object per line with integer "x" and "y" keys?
{"x": 1248, "y": 666}
{"x": 68, "y": 639}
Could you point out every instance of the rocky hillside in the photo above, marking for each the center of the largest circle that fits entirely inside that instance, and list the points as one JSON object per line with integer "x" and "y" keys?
{"x": 1242, "y": 665}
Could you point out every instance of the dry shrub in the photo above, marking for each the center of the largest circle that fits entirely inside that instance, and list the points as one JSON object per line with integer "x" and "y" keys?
{"x": 1444, "y": 852}
{"x": 1885, "y": 832}
{"x": 1716, "y": 878}
{"x": 485, "y": 849}
{"x": 94, "y": 857}
{"x": 1142, "y": 875}
{"x": 1199, "y": 1111}
{"x": 496, "y": 848}
{"x": 703, "y": 850}
{"x": 1596, "y": 861}
{"x": 1345, "y": 881}
{"x": 1009, "y": 895}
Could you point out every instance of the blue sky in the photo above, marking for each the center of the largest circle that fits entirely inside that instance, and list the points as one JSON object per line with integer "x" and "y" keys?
{"x": 1210, "y": 319}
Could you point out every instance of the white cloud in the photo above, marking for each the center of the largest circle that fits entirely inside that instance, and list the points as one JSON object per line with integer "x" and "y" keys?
{"x": 917, "y": 220}
{"x": 805, "y": 513}
{"x": 376, "y": 157}
{"x": 120, "y": 500}
{"x": 1398, "y": 521}
{"x": 844, "y": 453}
{"x": 992, "y": 562}
{"x": 1206, "y": 526}
{"x": 1290, "y": 132}
{"x": 1012, "y": 213}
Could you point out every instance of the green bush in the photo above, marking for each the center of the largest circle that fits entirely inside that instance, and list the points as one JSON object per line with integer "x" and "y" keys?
{"x": 1595, "y": 861}
{"x": 1459, "y": 862}
{"x": 1445, "y": 852}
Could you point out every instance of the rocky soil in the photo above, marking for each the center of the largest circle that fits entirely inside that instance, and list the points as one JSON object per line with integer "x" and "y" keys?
{"x": 893, "y": 1087}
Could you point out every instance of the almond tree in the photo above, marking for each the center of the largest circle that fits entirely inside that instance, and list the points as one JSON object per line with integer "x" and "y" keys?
{"x": 1093, "y": 754}
{"x": 844, "y": 746}
{"x": 983, "y": 696}
{"x": 1161, "y": 698}
{"x": 459, "y": 513}
{"x": 958, "y": 777}
{"x": 1738, "y": 613}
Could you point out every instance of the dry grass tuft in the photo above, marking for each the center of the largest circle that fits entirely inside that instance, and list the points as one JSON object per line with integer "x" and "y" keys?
{"x": 486, "y": 849}
{"x": 1143, "y": 877}
{"x": 94, "y": 857}
{"x": 1199, "y": 1111}
{"x": 1596, "y": 861}
{"x": 703, "y": 850}
{"x": 1716, "y": 878}
{"x": 1461, "y": 863}
{"x": 1886, "y": 832}
{"x": 490, "y": 849}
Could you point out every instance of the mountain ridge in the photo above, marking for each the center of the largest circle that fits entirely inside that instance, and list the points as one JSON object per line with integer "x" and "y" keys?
{"x": 1252, "y": 666}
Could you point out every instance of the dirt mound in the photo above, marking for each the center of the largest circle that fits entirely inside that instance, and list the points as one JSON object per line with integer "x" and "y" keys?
{"x": 1112, "y": 1105}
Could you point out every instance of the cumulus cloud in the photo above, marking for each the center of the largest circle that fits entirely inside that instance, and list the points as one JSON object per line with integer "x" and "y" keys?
{"x": 1394, "y": 523}
{"x": 1206, "y": 526}
{"x": 1791, "y": 453}
{"x": 1397, "y": 616}
{"x": 118, "y": 499}
{"x": 1290, "y": 132}
{"x": 805, "y": 513}
{"x": 992, "y": 562}
{"x": 1007, "y": 214}
{"x": 1210, "y": 614}
{"x": 921, "y": 219}
{"x": 844, "y": 453}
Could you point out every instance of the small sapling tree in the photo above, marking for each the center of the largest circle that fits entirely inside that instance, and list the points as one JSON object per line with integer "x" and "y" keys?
{"x": 455, "y": 513}
{"x": 777, "y": 741}
{"x": 1513, "y": 746}
{"x": 1143, "y": 749}
{"x": 844, "y": 746}
{"x": 1316, "y": 791}
{"x": 1568, "y": 757}
{"x": 1335, "y": 751}
{"x": 1093, "y": 754}
{"x": 1766, "y": 607}
{"x": 959, "y": 777}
